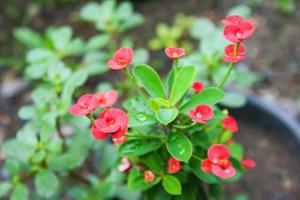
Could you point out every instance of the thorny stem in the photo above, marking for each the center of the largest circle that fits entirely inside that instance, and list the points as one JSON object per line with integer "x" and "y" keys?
{"x": 129, "y": 75}
{"x": 230, "y": 67}
{"x": 79, "y": 178}
{"x": 184, "y": 126}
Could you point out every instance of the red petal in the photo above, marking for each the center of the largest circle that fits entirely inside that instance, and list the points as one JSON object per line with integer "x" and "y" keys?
{"x": 218, "y": 151}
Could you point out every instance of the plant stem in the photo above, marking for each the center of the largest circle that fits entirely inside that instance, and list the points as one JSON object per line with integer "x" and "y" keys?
{"x": 176, "y": 65}
{"x": 60, "y": 134}
{"x": 196, "y": 157}
{"x": 230, "y": 67}
{"x": 184, "y": 126}
{"x": 129, "y": 75}
{"x": 142, "y": 136}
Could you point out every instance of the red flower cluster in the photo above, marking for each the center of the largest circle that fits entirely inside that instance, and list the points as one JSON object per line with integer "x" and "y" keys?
{"x": 218, "y": 162}
{"x": 111, "y": 122}
{"x": 88, "y": 103}
{"x": 174, "y": 53}
{"x": 229, "y": 123}
{"x": 121, "y": 59}
{"x": 201, "y": 114}
{"x": 174, "y": 165}
{"x": 198, "y": 87}
{"x": 236, "y": 30}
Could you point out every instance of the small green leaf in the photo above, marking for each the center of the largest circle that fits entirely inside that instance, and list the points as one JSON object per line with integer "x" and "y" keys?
{"x": 182, "y": 82}
{"x": 194, "y": 166}
{"x": 172, "y": 185}
{"x": 208, "y": 96}
{"x": 136, "y": 181}
{"x": 20, "y": 192}
{"x": 234, "y": 100}
{"x": 139, "y": 147}
{"x": 166, "y": 115}
{"x": 236, "y": 151}
{"x": 98, "y": 42}
{"x": 179, "y": 146}
{"x": 28, "y": 37}
{"x": 5, "y": 188}
{"x": 46, "y": 183}
{"x": 60, "y": 37}
{"x": 12, "y": 166}
{"x": 150, "y": 80}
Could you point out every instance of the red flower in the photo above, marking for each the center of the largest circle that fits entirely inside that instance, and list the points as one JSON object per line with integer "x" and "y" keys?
{"x": 232, "y": 56}
{"x": 125, "y": 165}
{"x": 121, "y": 59}
{"x": 206, "y": 166}
{"x": 111, "y": 121}
{"x": 174, "y": 53}
{"x": 107, "y": 99}
{"x": 148, "y": 176}
{"x": 198, "y": 87}
{"x": 248, "y": 163}
{"x": 233, "y": 19}
{"x": 230, "y": 124}
{"x": 218, "y": 162}
{"x": 86, "y": 104}
{"x": 174, "y": 165}
{"x": 239, "y": 32}
{"x": 201, "y": 114}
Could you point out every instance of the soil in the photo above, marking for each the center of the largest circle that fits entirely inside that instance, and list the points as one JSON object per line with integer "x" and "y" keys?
{"x": 275, "y": 175}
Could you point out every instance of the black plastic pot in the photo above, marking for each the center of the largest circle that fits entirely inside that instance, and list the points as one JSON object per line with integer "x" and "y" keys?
{"x": 271, "y": 116}
{"x": 272, "y": 137}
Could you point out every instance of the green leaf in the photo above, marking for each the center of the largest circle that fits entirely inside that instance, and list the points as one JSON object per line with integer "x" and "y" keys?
{"x": 66, "y": 161}
{"x": 194, "y": 166}
{"x": 12, "y": 166}
{"x": 60, "y": 37}
{"x": 179, "y": 146}
{"x": 150, "y": 80}
{"x": 139, "y": 147}
{"x": 236, "y": 151}
{"x": 154, "y": 162}
{"x": 39, "y": 54}
{"x": 20, "y": 192}
{"x": 136, "y": 181}
{"x": 132, "y": 22}
{"x": 5, "y": 188}
{"x": 98, "y": 42}
{"x": 172, "y": 185}
{"x": 28, "y": 37}
{"x": 202, "y": 28}
{"x": 208, "y": 96}
{"x": 166, "y": 115}
{"x": 242, "y": 10}
{"x": 182, "y": 82}
{"x": 17, "y": 150}
{"x": 46, "y": 183}
{"x": 91, "y": 12}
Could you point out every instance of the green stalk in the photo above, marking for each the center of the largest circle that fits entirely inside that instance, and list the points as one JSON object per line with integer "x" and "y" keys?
{"x": 230, "y": 67}
{"x": 142, "y": 136}
{"x": 133, "y": 81}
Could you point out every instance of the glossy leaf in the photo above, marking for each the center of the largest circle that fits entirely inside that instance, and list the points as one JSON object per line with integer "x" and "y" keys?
{"x": 20, "y": 192}
{"x": 150, "y": 80}
{"x": 208, "y": 96}
{"x": 182, "y": 82}
{"x": 46, "y": 183}
{"x": 172, "y": 185}
{"x": 166, "y": 115}
{"x": 179, "y": 146}
{"x": 139, "y": 147}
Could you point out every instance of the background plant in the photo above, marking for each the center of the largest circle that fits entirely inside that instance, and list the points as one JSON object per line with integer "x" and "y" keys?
{"x": 50, "y": 150}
